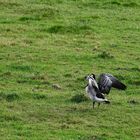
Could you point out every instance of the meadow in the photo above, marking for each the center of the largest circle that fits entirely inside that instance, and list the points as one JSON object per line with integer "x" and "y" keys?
{"x": 47, "y": 47}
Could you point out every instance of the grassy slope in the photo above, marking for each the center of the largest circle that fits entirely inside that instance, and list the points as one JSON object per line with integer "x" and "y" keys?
{"x": 48, "y": 42}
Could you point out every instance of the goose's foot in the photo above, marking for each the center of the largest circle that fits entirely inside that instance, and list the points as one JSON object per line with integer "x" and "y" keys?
{"x": 93, "y": 104}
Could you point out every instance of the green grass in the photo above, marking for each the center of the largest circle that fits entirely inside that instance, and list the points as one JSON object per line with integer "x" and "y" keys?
{"x": 47, "y": 42}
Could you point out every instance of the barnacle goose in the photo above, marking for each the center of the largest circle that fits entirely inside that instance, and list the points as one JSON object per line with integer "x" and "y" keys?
{"x": 93, "y": 91}
{"x": 96, "y": 90}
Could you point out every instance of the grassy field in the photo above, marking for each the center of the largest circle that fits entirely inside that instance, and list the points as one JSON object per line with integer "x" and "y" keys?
{"x": 46, "y": 49}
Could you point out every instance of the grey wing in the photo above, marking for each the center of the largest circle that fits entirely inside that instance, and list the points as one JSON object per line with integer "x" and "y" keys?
{"x": 106, "y": 81}
{"x": 116, "y": 83}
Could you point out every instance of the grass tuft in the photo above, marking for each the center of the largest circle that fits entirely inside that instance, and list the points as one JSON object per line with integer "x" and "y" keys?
{"x": 105, "y": 55}
{"x": 9, "y": 96}
{"x": 21, "y": 67}
{"x": 78, "y": 98}
{"x": 93, "y": 137}
{"x": 39, "y": 96}
{"x": 113, "y": 3}
{"x": 69, "y": 29}
{"x": 28, "y": 18}
{"x": 134, "y": 82}
{"x": 131, "y": 4}
{"x": 133, "y": 102}
{"x": 12, "y": 96}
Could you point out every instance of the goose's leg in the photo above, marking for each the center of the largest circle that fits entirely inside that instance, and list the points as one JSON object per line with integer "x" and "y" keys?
{"x": 99, "y": 104}
{"x": 93, "y": 104}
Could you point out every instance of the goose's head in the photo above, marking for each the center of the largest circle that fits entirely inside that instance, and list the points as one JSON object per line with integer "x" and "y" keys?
{"x": 91, "y": 76}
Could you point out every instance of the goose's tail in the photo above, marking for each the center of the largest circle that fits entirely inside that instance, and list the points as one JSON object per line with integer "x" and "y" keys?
{"x": 106, "y": 101}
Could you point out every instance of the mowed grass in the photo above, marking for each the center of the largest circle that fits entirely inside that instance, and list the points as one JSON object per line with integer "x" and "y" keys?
{"x": 46, "y": 49}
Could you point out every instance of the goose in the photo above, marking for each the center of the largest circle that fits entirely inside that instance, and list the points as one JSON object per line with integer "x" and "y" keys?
{"x": 93, "y": 91}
